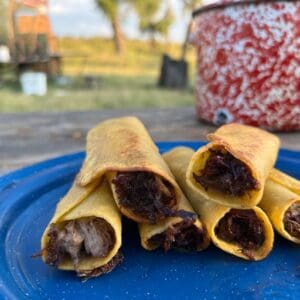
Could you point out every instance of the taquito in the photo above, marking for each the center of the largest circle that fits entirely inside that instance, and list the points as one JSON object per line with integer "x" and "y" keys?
{"x": 232, "y": 168}
{"x": 142, "y": 184}
{"x": 185, "y": 232}
{"x": 246, "y": 233}
{"x": 281, "y": 202}
{"x": 84, "y": 234}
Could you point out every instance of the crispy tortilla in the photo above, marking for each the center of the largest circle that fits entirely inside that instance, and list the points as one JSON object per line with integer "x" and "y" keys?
{"x": 123, "y": 145}
{"x": 281, "y": 193}
{"x": 211, "y": 212}
{"x": 254, "y": 148}
{"x": 86, "y": 202}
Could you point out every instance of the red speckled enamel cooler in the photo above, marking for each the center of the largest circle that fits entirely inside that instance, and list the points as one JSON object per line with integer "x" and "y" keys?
{"x": 249, "y": 63}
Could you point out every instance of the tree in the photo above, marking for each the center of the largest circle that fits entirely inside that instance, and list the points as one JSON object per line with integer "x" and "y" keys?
{"x": 149, "y": 19}
{"x": 3, "y": 21}
{"x": 189, "y": 5}
{"x": 111, "y": 10}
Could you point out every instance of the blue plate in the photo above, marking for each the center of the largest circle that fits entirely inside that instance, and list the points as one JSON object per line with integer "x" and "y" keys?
{"x": 27, "y": 202}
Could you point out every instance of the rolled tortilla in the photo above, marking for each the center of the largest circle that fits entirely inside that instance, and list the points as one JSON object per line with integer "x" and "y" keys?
{"x": 142, "y": 184}
{"x": 246, "y": 233}
{"x": 281, "y": 202}
{"x": 84, "y": 234}
{"x": 184, "y": 233}
{"x": 232, "y": 168}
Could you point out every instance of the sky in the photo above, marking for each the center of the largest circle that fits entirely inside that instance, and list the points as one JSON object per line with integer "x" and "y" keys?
{"x": 81, "y": 18}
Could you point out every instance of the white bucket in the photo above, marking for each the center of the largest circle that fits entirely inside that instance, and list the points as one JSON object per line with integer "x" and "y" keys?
{"x": 4, "y": 54}
{"x": 34, "y": 83}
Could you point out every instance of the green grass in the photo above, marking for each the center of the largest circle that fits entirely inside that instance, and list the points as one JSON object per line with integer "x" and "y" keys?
{"x": 113, "y": 92}
{"x": 125, "y": 81}
{"x": 97, "y": 56}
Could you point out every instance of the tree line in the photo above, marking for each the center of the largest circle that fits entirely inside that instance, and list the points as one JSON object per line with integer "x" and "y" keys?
{"x": 155, "y": 18}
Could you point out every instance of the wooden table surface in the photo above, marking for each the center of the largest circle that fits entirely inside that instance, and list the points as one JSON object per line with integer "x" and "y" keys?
{"x": 32, "y": 137}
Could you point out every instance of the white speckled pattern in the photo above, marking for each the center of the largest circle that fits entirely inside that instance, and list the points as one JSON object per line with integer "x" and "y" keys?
{"x": 249, "y": 65}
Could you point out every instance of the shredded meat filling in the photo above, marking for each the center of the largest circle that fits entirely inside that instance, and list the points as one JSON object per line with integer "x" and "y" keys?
{"x": 183, "y": 236}
{"x": 292, "y": 220}
{"x": 242, "y": 227}
{"x": 79, "y": 239}
{"x": 145, "y": 194}
{"x": 227, "y": 174}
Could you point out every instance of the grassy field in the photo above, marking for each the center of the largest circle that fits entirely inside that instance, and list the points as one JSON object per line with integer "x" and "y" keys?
{"x": 112, "y": 92}
{"x": 123, "y": 81}
{"x": 97, "y": 56}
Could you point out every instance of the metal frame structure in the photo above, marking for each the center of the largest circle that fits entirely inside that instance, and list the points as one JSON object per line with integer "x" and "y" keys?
{"x": 34, "y": 46}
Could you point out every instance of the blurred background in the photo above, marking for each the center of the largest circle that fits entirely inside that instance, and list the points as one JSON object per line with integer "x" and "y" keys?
{"x": 95, "y": 54}
{"x": 117, "y": 57}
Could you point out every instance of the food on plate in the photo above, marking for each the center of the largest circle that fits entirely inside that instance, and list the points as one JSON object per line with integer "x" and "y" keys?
{"x": 185, "y": 232}
{"x": 181, "y": 200}
{"x": 281, "y": 202}
{"x": 122, "y": 150}
{"x": 246, "y": 233}
{"x": 233, "y": 167}
{"x": 84, "y": 234}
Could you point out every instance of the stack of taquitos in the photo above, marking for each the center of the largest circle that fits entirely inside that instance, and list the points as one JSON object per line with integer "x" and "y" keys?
{"x": 143, "y": 186}
{"x": 236, "y": 169}
{"x": 246, "y": 233}
{"x": 124, "y": 171}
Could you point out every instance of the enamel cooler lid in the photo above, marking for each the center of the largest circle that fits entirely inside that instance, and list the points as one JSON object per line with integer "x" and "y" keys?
{"x": 217, "y": 4}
